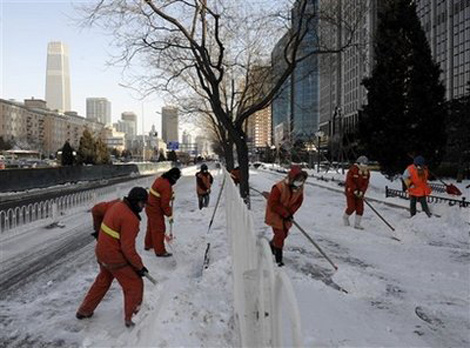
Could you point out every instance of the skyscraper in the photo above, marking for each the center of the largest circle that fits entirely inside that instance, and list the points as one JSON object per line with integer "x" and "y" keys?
{"x": 99, "y": 110}
{"x": 58, "y": 77}
{"x": 130, "y": 119}
{"x": 169, "y": 124}
{"x": 447, "y": 28}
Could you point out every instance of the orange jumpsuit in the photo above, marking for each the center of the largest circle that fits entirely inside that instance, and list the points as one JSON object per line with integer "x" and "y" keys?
{"x": 98, "y": 211}
{"x": 356, "y": 180}
{"x": 118, "y": 259}
{"x": 204, "y": 182}
{"x": 283, "y": 202}
{"x": 158, "y": 206}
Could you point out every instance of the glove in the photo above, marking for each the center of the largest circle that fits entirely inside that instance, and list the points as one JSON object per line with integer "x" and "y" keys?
{"x": 289, "y": 218}
{"x": 359, "y": 194}
{"x": 142, "y": 271}
{"x": 170, "y": 219}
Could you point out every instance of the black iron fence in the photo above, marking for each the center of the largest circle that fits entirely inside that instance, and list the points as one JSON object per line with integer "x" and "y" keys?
{"x": 431, "y": 199}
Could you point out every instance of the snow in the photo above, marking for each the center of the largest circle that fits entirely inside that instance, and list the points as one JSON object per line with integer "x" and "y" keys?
{"x": 386, "y": 280}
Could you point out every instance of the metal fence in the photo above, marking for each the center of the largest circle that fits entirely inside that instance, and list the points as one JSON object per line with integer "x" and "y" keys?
{"x": 261, "y": 289}
{"x": 431, "y": 199}
{"x": 54, "y": 208}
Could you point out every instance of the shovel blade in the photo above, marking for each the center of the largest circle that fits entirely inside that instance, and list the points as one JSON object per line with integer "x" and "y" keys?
{"x": 453, "y": 190}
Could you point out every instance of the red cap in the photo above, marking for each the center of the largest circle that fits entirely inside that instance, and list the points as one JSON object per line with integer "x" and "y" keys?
{"x": 294, "y": 171}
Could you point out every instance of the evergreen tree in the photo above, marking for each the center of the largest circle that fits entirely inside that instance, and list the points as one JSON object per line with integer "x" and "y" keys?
{"x": 405, "y": 113}
{"x": 162, "y": 157}
{"x": 101, "y": 152}
{"x": 458, "y": 138}
{"x": 4, "y": 145}
{"x": 172, "y": 156}
{"x": 86, "y": 150}
{"x": 67, "y": 158}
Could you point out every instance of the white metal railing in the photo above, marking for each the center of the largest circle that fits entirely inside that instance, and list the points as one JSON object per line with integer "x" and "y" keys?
{"x": 68, "y": 204}
{"x": 261, "y": 289}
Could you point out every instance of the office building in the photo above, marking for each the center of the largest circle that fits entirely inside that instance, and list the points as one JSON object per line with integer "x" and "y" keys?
{"x": 447, "y": 27}
{"x": 341, "y": 92}
{"x": 58, "y": 77}
{"x": 295, "y": 109}
{"x": 98, "y": 110}
{"x": 169, "y": 124}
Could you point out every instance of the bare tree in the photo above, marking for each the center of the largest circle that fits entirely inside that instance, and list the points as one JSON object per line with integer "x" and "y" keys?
{"x": 213, "y": 48}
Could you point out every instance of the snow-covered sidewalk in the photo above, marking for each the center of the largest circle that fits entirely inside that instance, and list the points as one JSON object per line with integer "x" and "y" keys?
{"x": 389, "y": 283}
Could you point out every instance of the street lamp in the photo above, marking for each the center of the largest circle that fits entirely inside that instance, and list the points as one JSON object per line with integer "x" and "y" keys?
{"x": 318, "y": 134}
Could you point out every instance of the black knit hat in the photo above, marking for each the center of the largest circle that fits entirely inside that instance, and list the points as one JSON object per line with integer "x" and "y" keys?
{"x": 174, "y": 173}
{"x": 138, "y": 194}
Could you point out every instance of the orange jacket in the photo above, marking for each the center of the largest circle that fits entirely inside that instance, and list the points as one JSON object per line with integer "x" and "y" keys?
{"x": 115, "y": 253}
{"x": 98, "y": 211}
{"x": 356, "y": 179}
{"x": 203, "y": 182}
{"x": 159, "y": 198}
{"x": 282, "y": 203}
{"x": 418, "y": 184}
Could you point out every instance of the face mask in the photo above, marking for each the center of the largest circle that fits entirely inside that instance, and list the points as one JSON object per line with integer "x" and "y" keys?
{"x": 297, "y": 183}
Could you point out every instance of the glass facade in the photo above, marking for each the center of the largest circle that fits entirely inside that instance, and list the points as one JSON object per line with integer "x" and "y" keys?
{"x": 297, "y": 104}
{"x": 447, "y": 27}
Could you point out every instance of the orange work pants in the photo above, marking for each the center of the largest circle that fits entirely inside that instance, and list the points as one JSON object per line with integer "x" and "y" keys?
{"x": 354, "y": 204}
{"x": 155, "y": 235}
{"x": 132, "y": 287}
{"x": 279, "y": 236}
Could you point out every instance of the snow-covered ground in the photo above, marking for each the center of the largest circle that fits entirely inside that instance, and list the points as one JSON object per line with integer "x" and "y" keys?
{"x": 388, "y": 283}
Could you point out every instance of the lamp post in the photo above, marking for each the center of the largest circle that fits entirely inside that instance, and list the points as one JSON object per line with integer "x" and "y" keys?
{"x": 318, "y": 134}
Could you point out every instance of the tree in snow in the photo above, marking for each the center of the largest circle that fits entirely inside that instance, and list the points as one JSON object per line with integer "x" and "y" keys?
{"x": 212, "y": 48}
{"x": 86, "y": 153}
{"x": 405, "y": 113}
{"x": 67, "y": 158}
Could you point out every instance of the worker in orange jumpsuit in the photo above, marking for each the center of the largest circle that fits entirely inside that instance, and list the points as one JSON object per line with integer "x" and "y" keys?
{"x": 357, "y": 181}
{"x": 204, "y": 182}
{"x": 98, "y": 211}
{"x": 236, "y": 175}
{"x": 284, "y": 200}
{"x": 161, "y": 194}
{"x": 416, "y": 180}
{"x": 117, "y": 257}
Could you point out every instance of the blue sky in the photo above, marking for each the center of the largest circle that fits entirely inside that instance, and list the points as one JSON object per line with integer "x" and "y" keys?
{"x": 26, "y": 27}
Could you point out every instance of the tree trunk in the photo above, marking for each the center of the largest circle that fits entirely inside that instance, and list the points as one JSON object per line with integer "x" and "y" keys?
{"x": 228, "y": 150}
{"x": 242, "y": 152}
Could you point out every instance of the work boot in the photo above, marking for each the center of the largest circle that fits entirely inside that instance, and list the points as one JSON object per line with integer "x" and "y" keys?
{"x": 129, "y": 323}
{"x": 278, "y": 257}
{"x": 346, "y": 219}
{"x": 357, "y": 222}
{"x": 81, "y": 316}
{"x": 165, "y": 254}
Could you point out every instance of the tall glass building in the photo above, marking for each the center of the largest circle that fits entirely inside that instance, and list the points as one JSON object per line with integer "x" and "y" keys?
{"x": 305, "y": 101}
{"x": 447, "y": 27}
{"x": 58, "y": 77}
{"x": 295, "y": 110}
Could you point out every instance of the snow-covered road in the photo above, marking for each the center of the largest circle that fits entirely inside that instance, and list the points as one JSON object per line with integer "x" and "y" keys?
{"x": 388, "y": 282}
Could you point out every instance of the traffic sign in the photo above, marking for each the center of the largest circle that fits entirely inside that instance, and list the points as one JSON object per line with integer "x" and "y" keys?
{"x": 173, "y": 145}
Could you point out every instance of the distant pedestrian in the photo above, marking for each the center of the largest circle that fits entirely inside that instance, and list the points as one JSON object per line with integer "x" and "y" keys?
{"x": 284, "y": 200}
{"x": 357, "y": 181}
{"x": 416, "y": 180}
{"x": 161, "y": 195}
{"x": 117, "y": 257}
{"x": 98, "y": 212}
{"x": 204, "y": 182}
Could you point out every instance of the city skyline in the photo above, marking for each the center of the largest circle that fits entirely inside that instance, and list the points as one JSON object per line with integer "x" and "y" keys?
{"x": 24, "y": 58}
